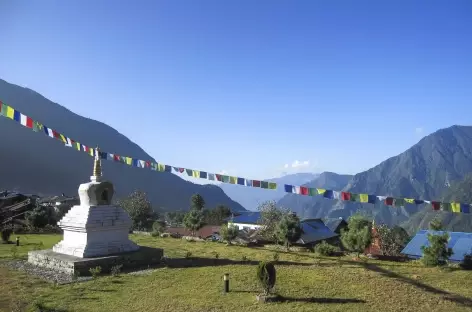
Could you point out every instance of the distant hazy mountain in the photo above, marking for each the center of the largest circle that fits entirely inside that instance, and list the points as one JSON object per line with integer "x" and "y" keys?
{"x": 315, "y": 206}
{"x": 250, "y": 197}
{"x": 424, "y": 171}
{"x": 33, "y": 163}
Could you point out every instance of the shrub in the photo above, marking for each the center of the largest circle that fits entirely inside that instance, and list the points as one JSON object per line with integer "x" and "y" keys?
{"x": 6, "y": 233}
{"x": 325, "y": 249}
{"x": 155, "y": 234}
{"x": 466, "y": 263}
{"x": 116, "y": 270}
{"x": 276, "y": 257}
{"x": 95, "y": 271}
{"x": 266, "y": 276}
{"x": 437, "y": 253}
{"x": 158, "y": 227}
{"x": 229, "y": 232}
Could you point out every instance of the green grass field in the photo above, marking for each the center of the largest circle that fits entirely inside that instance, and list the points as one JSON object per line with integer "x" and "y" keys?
{"x": 307, "y": 283}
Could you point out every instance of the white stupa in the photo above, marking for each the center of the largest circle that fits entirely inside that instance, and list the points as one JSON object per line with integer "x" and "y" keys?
{"x": 95, "y": 228}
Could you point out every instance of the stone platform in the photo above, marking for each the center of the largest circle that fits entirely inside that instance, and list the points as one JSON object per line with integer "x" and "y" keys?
{"x": 144, "y": 257}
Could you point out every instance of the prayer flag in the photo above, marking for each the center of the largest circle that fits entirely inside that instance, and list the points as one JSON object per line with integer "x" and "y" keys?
{"x": 264, "y": 184}
{"x": 10, "y": 112}
{"x": 241, "y": 181}
{"x": 248, "y": 182}
{"x": 456, "y": 207}
{"x": 328, "y": 194}
{"x": 189, "y": 171}
{"x": 233, "y": 180}
{"x": 219, "y": 177}
{"x": 195, "y": 173}
{"x": 312, "y": 191}
{"x": 288, "y": 188}
{"x": 272, "y": 185}
{"x": 445, "y": 206}
{"x": 465, "y": 208}
{"x": 17, "y": 116}
{"x": 303, "y": 190}
{"x": 167, "y": 168}
{"x": 345, "y": 196}
{"x": 436, "y": 205}
{"x": 37, "y": 126}
{"x": 203, "y": 174}
{"x": 256, "y": 183}
{"x": 389, "y": 201}
{"x": 211, "y": 176}
{"x": 398, "y": 202}
{"x": 225, "y": 178}
{"x": 320, "y": 191}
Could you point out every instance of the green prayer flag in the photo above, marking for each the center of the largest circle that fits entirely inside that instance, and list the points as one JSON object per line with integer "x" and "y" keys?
{"x": 445, "y": 206}
{"x": 312, "y": 191}
{"x": 272, "y": 185}
{"x": 4, "y": 109}
{"x": 398, "y": 202}
{"x": 264, "y": 184}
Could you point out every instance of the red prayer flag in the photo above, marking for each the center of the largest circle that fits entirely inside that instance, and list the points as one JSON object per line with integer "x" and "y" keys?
{"x": 436, "y": 205}
{"x": 303, "y": 190}
{"x": 218, "y": 177}
{"x": 116, "y": 157}
{"x": 182, "y": 170}
{"x": 389, "y": 201}
{"x": 345, "y": 196}
{"x": 29, "y": 122}
{"x": 256, "y": 183}
{"x": 56, "y": 134}
{"x": 148, "y": 164}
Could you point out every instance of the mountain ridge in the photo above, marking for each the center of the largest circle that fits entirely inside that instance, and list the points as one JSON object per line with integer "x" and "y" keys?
{"x": 50, "y": 168}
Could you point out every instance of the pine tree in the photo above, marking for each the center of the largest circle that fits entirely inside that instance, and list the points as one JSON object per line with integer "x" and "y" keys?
{"x": 358, "y": 235}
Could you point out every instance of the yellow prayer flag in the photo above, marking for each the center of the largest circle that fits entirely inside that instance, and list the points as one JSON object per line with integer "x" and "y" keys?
{"x": 195, "y": 173}
{"x": 10, "y": 112}
{"x": 129, "y": 160}
{"x": 456, "y": 207}
{"x": 320, "y": 191}
{"x": 233, "y": 180}
{"x": 410, "y": 200}
{"x": 364, "y": 198}
{"x": 161, "y": 167}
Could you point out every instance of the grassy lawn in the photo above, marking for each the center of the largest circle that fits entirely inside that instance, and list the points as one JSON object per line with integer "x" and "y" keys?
{"x": 307, "y": 283}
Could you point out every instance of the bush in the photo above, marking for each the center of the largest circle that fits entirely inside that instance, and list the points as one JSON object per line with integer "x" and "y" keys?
{"x": 466, "y": 263}
{"x": 266, "y": 276}
{"x": 6, "y": 233}
{"x": 158, "y": 227}
{"x": 155, "y": 234}
{"x": 116, "y": 270}
{"x": 326, "y": 249}
{"x": 438, "y": 252}
{"x": 95, "y": 271}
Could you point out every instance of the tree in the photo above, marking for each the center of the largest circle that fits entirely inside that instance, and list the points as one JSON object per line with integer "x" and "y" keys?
{"x": 40, "y": 216}
{"x": 193, "y": 220}
{"x": 216, "y": 216}
{"x": 289, "y": 229}
{"x": 270, "y": 217}
{"x": 392, "y": 240}
{"x": 175, "y": 217}
{"x": 139, "y": 209}
{"x": 358, "y": 234}
{"x": 197, "y": 202}
{"x": 229, "y": 232}
{"x": 438, "y": 252}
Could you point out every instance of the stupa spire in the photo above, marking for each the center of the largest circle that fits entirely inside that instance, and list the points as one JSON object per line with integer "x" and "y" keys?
{"x": 97, "y": 166}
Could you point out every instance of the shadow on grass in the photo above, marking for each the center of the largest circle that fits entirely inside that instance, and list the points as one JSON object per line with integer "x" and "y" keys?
{"x": 318, "y": 300}
{"x": 467, "y": 302}
{"x": 208, "y": 262}
{"x": 41, "y": 307}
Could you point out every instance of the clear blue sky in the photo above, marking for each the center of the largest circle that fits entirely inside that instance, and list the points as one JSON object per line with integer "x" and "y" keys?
{"x": 249, "y": 86}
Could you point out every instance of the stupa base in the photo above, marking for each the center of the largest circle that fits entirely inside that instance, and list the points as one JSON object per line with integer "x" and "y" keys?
{"x": 143, "y": 257}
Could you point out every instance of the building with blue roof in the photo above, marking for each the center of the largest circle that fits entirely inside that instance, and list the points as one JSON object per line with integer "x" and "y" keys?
{"x": 460, "y": 242}
{"x": 314, "y": 230}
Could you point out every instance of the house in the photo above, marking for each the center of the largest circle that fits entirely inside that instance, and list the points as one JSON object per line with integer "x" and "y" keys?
{"x": 60, "y": 203}
{"x": 248, "y": 220}
{"x": 205, "y": 232}
{"x": 460, "y": 242}
{"x": 314, "y": 232}
{"x": 336, "y": 225}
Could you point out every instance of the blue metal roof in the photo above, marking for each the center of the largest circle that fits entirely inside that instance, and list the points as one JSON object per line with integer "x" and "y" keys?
{"x": 460, "y": 242}
{"x": 314, "y": 230}
{"x": 247, "y": 217}
{"x": 333, "y": 223}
